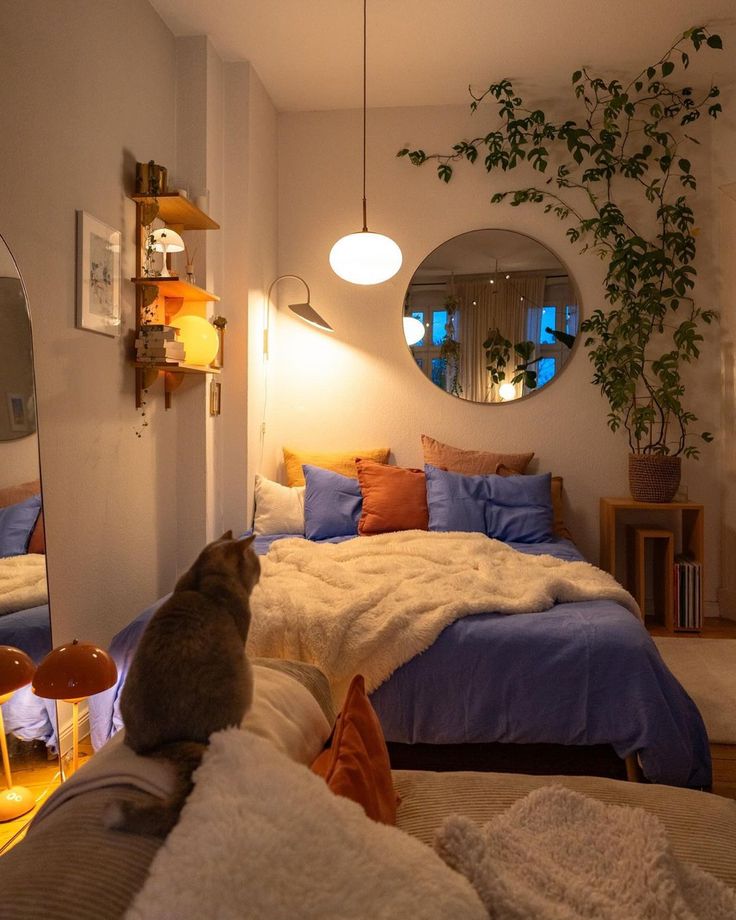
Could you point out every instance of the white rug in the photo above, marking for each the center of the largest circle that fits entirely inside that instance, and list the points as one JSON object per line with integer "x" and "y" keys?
{"x": 706, "y": 668}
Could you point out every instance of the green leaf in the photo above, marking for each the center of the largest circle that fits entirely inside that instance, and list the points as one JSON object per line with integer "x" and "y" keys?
{"x": 667, "y": 68}
{"x": 714, "y": 41}
{"x": 403, "y": 152}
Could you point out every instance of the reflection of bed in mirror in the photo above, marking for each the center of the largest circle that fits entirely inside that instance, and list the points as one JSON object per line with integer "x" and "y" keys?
{"x": 24, "y": 609}
{"x": 501, "y": 315}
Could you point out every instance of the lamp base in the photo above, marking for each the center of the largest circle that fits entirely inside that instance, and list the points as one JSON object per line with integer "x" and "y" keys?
{"x": 15, "y": 802}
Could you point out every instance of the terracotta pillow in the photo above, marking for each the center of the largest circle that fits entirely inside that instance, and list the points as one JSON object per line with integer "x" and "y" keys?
{"x": 470, "y": 462}
{"x": 343, "y": 462}
{"x": 556, "y": 488}
{"x": 37, "y": 543}
{"x": 394, "y": 498}
{"x": 356, "y": 765}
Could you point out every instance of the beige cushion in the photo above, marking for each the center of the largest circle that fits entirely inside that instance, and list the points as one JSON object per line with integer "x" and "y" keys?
{"x": 701, "y": 826}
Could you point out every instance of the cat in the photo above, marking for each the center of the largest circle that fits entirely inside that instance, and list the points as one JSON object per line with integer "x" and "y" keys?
{"x": 189, "y": 676}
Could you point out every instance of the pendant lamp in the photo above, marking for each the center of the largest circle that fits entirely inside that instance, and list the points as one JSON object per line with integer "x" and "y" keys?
{"x": 365, "y": 257}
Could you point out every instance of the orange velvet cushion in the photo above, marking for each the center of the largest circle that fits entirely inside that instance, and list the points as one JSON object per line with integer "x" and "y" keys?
{"x": 357, "y": 765}
{"x": 11, "y": 495}
{"x": 470, "y": 462}
{"x": 394, "y": 498}
{"x": 37, "y": 543}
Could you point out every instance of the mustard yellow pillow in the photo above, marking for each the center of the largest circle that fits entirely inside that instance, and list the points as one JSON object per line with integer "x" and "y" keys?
{"x": 343, "y": 462}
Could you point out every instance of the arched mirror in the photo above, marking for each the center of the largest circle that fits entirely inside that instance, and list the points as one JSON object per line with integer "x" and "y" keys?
{"x": 491, "y": 316}
{"x": 29, "y": 722}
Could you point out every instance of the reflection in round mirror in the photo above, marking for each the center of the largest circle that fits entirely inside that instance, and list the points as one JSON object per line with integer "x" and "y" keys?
{"x": 17, "y": 402}
{"x": 500, "y": 313}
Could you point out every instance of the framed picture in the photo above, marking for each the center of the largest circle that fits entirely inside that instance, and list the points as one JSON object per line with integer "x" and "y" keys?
{"x": 215, "y": 397}
{"x": 17, "y": 412}
{"x": 98, "y": 276}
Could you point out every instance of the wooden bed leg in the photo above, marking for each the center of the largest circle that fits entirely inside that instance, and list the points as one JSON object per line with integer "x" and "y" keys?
{"x": 633, "y": 770}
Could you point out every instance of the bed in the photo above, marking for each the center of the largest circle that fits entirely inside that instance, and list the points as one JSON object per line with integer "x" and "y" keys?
{"x": 582, "y": 673}
{"x": 24, "y": 610}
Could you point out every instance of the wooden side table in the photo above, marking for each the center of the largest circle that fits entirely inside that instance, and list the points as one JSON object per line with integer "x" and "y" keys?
{"x": 689, "y": 534}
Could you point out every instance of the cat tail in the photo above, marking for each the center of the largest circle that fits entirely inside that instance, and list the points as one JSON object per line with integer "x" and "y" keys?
{"x": 158, "y": 817}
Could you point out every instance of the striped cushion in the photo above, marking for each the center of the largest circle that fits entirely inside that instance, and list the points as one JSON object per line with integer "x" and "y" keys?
{"x": 701, "y": 826}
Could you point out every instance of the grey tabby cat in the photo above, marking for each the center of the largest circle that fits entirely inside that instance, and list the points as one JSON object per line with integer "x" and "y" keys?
{"x": 189, "y": 676}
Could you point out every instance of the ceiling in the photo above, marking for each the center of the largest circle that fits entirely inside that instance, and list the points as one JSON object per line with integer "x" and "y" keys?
{"x": 426, "y": 52}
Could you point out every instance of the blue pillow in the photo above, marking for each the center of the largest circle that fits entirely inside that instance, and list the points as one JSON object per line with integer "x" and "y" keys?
{"x": 332, "y": 504}
{"x": 16, "y": 524}
{"x": 515, "y": 509}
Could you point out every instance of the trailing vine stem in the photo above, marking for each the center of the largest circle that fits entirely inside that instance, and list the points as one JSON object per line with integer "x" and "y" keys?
{"x": 635, "y": 132}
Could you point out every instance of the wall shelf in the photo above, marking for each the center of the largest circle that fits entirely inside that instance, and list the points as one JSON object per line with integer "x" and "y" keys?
{"x": 175, "y": 287}
{"x": 176, "y": 211}
{"x": 165, "y": 300}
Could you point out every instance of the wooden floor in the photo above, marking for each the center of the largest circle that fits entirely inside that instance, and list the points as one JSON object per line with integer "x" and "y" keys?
{"x": 713, "y": 628}
{"x": 41, "y": 775}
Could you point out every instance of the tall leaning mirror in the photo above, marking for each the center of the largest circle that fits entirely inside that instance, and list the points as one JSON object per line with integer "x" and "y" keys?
{"x": 30, "y": 769}
{"x": 491, "y": 316}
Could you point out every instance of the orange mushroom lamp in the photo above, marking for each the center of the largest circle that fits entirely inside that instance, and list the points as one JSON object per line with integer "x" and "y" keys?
{"x": 16, "y": 670}
{"x": 72, "y": 673}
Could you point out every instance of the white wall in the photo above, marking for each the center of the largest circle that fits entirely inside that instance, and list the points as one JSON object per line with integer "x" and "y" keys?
{"x": 87, "y": 89}
{"x": 361, "y": 388}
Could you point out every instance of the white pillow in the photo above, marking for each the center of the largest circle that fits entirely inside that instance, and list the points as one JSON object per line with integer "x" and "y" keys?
{"x": 286, "y": 713}
{"x": 279, "y": 509}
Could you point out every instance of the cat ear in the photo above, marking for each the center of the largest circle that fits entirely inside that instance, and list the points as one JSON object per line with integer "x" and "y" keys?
{"x": 228, "y": 535}
{"x": 246, "y": 542}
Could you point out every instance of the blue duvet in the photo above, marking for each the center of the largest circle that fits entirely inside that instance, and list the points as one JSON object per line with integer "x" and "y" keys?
{"x": 578, "y": 674}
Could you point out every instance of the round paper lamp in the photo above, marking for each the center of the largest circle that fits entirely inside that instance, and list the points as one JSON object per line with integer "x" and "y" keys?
{"x": 16, "y": 670}
{"x": 507, "y": 391}
{"x": 72, "y": 673}
{"x": 365, "y": 257}
{"x": 413, "y": 330}
{"x": 200, "y": 338}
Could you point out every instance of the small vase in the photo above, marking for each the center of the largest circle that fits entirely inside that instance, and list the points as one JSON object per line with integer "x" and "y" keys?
{"x": 654, "y": 477}
{"x": 190, "y": 273}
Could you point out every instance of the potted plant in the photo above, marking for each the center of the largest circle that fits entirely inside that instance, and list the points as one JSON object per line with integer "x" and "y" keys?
{"x": 632, "y": 138}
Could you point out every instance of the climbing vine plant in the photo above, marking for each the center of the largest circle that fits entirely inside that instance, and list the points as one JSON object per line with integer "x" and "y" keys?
{"x": 632, "y": 136}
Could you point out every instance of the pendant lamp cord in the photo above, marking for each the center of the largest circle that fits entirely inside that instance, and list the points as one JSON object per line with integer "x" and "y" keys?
{"x": 365, "y": 31}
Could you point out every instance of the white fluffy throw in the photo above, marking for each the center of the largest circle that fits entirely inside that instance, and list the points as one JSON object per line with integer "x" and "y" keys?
{"x": 262, "y": 838}
{"x": 558, "y": 855}
{"x": 369, "y": 605}
{"x": 22, "y": 582}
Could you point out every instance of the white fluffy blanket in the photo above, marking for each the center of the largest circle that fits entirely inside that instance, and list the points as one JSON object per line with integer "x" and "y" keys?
{"x": 22, "y": 582}
{"x": 558, "y": 855}
{"x": 369, "y": 605}
{"x": 262, "y": 838}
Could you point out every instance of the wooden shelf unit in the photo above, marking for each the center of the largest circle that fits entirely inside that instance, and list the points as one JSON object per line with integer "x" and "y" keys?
{"x": 689, "y": 516}
{"x": 179, "y": 213}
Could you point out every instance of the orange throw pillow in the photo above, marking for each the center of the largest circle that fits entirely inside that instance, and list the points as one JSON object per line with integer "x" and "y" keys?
{"x": 471, "y": 462}
{"x": 394, "y": 498}
{"x": 356, "y": 765}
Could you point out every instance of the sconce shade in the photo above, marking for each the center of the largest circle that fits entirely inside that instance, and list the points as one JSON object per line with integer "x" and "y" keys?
{"x": 166, "y": 240}
{"x": 200, "y": 338}
{"x": 365, "y": 258}
{"x": 16, "y": 669}
{"x": 413, "y": 330}
{"x": 307, "y": 312}
{"x": 74, "y": 672}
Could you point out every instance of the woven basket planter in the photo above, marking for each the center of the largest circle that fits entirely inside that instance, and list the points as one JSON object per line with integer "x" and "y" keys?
{"x": 654, "y": 477}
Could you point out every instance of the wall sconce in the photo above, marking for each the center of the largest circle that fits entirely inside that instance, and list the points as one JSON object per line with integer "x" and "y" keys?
{"x": 72, "y": 673}
{"x": 304, "y": 311}
{"x": 166, "y": 240}
{"x": 16, "y": 670}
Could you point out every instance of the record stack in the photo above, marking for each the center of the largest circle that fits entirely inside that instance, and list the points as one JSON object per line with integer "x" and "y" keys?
{"x": 157, "y": 344}
{"x": 687, "y": 595}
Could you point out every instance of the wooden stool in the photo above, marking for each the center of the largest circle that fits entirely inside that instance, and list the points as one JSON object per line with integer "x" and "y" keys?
{"x": 662, "y": 569}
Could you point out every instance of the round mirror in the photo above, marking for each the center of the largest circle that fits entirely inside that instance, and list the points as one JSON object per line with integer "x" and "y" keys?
{"x": 500, "y": 314}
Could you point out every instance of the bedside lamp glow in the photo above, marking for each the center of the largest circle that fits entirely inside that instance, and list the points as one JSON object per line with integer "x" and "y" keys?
{"x": 166, "y": 241}
{"x": 71, "y": 673}
{"x": 507, "y": 391}
{"x": 16, "y": 670}
{"x": 200, "y": 339}
{"x": 413, "y": 330}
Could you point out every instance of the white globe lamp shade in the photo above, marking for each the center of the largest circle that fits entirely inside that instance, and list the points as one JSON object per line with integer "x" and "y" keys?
{"x": 413, "y": 330}
{"x": 365, "y": 258}
{"x": 507, "y": 391}
{"x": 200, "y": 338}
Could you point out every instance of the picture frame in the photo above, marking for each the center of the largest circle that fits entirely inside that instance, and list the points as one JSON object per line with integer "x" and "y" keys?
{"x": 17, "y": 414}
{"x": 99, "y": 260}
{"x": 215, "y": 397}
